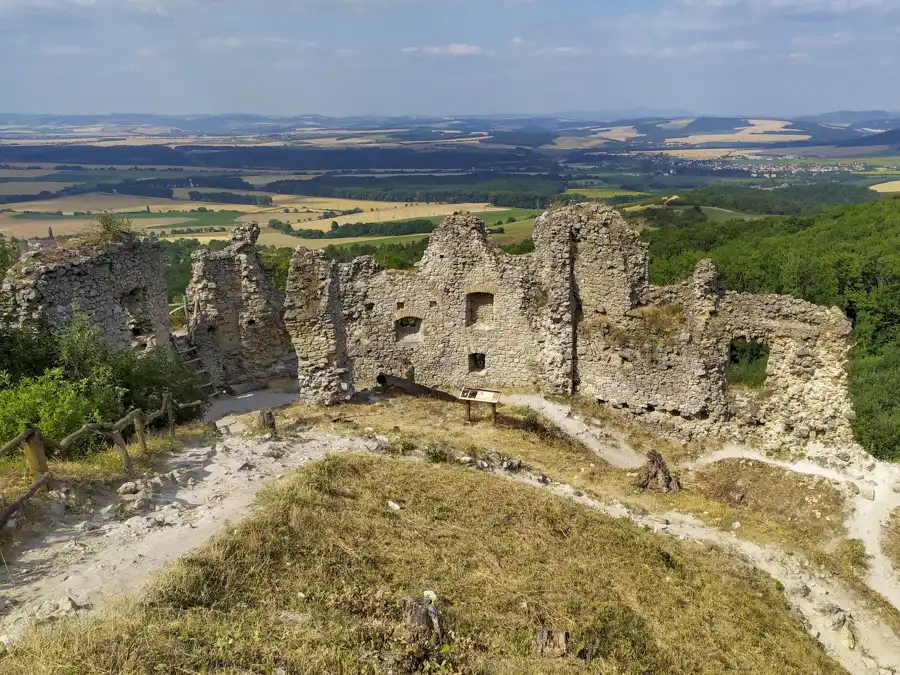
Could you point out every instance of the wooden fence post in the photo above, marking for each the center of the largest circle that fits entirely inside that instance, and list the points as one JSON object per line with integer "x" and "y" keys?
{"x": 169, "y": 406}
{"x": 34, "y": 451}
{"x": 123, "y": 450}
{"x": 140, "y": 430}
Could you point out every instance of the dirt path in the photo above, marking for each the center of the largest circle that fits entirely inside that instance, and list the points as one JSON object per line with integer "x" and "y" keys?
{"x": 82, "y": 561}
{"x": 610, "y": 446}
{"x": 875, "y": 497}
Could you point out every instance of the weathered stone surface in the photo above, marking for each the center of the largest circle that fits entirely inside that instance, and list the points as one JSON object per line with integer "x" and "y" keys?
{"x": 235, "y": 314}
{"x": 121, "y": 289}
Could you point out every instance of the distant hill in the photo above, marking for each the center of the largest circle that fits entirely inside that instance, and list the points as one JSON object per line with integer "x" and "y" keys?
{"x": 854, "y": 117}
{"x": 891, "y": 138}
{"x": 713, "y": 125}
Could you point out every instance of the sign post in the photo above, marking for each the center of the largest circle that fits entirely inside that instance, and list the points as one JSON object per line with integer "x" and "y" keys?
{"x": 480, "y": 396}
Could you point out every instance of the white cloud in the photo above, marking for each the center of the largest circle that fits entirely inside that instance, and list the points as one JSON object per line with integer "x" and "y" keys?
{"x": 562, "y": 51}
{"x": 52, "y": 51}
{"x": 813, "y": 41}
{"x": 517, "y": 41}
{"x": 453, "y": 49}
{"x": 145, "y": 52}
{"x": 720, "y": 47}
{"x": 240, "y": 42}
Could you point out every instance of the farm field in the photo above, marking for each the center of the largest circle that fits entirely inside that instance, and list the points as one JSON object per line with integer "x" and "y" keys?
{"x": 119, "y": 203}
{"x": 759, "y": 131}
{"x": 602, "y": 193}
{"x": 892, "y": 186}
{"x": 31, "y": 187}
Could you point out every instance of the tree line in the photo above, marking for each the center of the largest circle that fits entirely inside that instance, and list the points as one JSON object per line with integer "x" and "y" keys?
{"x": 845, "y": 257}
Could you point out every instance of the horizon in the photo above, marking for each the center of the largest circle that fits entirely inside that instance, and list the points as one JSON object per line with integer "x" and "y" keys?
{"x": 433, "y": 58}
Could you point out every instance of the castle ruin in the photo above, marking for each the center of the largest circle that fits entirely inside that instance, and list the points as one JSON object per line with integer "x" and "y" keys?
{"x": 120, "y": 288}
{"x": 576, "y": 316}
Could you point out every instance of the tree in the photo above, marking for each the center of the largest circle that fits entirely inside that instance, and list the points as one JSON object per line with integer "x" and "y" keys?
{"x": 334, "y": 226}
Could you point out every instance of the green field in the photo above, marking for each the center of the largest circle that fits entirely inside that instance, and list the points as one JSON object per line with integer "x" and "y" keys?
{"x": 717, "y": 215}
{"x": 603, "y": 192}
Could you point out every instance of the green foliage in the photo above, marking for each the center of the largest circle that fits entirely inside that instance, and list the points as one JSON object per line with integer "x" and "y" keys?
{"x": 178, "y": 265}
{"x": 9, "y": 254}
{"x": 520, "y": 247}
{"x": 74, "y": 377}
{"x": 107, "y": 228}
{"x": 26, "y": 351}
{"x": 336, "y": 231}
{"x": 56, "y": 404}
{"x": 844, "y": 257}
{"x": 793, "y": 200}
{"x": 747, "y": 364}
{"x": 391, "y": 256}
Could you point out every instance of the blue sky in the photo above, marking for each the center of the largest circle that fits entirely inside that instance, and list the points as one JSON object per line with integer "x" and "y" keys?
{"x": 389, "y": 57}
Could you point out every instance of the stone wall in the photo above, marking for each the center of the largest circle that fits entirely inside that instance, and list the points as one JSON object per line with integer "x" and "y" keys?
{"x": 464, "y": 317}
{"x": 235, "y": 315}
{"x": 120, "y": 288}
{"x": 576, "y": 316}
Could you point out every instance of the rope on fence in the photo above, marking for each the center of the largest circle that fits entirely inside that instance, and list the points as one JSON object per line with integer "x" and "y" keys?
{"x": 33, "y": 443}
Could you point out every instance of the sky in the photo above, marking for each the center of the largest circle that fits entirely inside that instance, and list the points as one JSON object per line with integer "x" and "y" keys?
{"x": 448, "y": 57}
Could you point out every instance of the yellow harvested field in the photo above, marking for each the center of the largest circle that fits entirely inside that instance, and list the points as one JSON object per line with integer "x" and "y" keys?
{"x": 269, "y": 237}
{"x": 95, "y": 202}
{"x": 675, "y": 125}
{"x": 381, "y": 212}
{"x": 617, "y": 133}
{"x": 14, "y": 227}
{"x": 892, "y": 186}
{"x": 17, "y": 188}
{"x": 264, "y": 178}
{"x": 759, "y": 131}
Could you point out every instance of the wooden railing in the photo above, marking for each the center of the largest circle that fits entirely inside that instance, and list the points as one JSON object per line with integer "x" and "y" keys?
{"x": 34, "y": 443}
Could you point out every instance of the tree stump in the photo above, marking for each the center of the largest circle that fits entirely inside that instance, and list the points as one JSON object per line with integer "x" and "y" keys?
{"x": 422, "y": 616}
{"x": 552, "y": 643}
{"x": 267, "y": 421}
{"x": 657, "y": 476}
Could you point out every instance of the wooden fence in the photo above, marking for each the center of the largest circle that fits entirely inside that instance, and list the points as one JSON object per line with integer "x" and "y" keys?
{"x": 34, "y": 444}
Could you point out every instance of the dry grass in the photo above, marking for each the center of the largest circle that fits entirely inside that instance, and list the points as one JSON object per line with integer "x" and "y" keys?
{"x": 890, "y": 539}
{"x": 104, "y": 465}
{"x": 314, "y": 582}
{"x": 770, "y": 511}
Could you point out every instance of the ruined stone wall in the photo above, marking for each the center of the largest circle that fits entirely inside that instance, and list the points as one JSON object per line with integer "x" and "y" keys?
{"x": 120, "y": 288}
{"x": 465, "y": 317}
{"x": 577, "y": 315}
{"x": 235, "y": 315}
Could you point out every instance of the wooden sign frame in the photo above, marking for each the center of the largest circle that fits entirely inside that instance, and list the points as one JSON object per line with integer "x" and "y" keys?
{"x": 489, "y": 396}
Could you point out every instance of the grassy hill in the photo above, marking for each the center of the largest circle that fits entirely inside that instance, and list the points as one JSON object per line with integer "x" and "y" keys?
{"x": 315, "y": 583}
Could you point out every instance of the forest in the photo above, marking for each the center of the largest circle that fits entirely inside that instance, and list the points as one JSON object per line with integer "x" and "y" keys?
{"x": 847, "y": 256}
{"x": 517, "y": 191}
{"x": 786, "y": 201}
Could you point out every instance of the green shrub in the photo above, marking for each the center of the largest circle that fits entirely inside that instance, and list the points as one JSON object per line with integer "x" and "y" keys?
{"x": 438, "y": 452}
{"x": 106, "y": 229}
{"x": 747, "y": 364}
{"x": 57, "y": 405}
{"x": 75, "y": 377}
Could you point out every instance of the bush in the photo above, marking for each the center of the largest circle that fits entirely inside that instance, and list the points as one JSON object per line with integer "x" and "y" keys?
{"x": 57, "y": 405}
{"x": 106, "y": 229}
{"x": 72, "y": 378}
{"x": 438, "y": 452}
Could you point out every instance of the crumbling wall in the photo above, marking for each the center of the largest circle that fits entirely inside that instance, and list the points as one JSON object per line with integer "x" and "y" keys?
{"x": 577, "y": 315}
{"x": 465, "y": 317}
{"x": 119, "y": 288}
{"x": 235, "y": 315}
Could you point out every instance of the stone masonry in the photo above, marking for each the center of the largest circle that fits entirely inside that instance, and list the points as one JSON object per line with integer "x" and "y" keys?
{"x": 235, "y": 315}
{"x": 120, "y": 288}
{"x": 576, "y": 316}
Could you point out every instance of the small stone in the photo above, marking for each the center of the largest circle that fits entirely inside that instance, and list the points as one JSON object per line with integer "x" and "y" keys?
{"x": 431, "y": 596}
{"x": 868, "y": 493}
{"x": 799, "y": 590}
{"x": 735, "y": 526}
{"x": 465, "y": 459}
{"x": 394, "y": 506}
{"x": 129, "y": 489}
